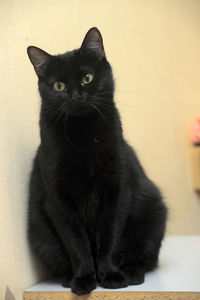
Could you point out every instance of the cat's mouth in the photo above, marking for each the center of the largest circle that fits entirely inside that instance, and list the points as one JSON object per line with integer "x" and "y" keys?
{"x": 79, "y": 107}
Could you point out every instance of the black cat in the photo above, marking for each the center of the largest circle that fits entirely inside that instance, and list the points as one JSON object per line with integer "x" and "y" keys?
{"x": 94, "y": 215}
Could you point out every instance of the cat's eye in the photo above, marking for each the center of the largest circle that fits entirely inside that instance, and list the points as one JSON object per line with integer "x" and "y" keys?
{"x": 59, "y": 86}
{"x": 86, "y": 79}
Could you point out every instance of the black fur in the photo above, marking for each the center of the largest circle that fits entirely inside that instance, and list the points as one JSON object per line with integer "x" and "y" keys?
{"x": 94, "y": 215}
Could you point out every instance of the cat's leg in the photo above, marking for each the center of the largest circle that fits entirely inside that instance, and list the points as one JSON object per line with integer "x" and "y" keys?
{"x": 108, "y": 228}
{"x": 59, "y": 238}
{"x": 142, "y": 236}
{"x": 75, "y": 240}
{"x": 138, "y": 256}
{"x": 74, "y": 237}
{"x": 48, "y": 246}
{"x": 42, "y": 236}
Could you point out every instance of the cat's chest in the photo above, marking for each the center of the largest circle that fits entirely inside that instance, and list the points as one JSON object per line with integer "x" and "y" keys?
{"x": 88, "y": 209}
{"x": 85, "y": 132}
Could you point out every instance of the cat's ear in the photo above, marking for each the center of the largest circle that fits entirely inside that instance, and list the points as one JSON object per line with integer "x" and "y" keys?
{"x": 93, "y": 43}
{"x": 39, "y": 59}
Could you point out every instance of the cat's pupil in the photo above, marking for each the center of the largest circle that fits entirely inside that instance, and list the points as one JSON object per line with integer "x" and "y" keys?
{"x": 59, "y": 85}
{"x": 87, "y": 78}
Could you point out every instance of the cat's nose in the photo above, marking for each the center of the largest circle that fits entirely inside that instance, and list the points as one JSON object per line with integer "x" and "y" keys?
{"x": 75, "y": 95}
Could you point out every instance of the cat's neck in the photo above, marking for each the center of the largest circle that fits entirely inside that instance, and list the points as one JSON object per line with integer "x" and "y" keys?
{"x": 82, "y": 132}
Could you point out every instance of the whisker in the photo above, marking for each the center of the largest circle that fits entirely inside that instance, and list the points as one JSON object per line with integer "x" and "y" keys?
{"x": 103, "y": 105}
{"x": 65, "y": 130}
{"x": 98, "y": 111}
{"x": 119, "y": 102}
{"x": 54, "y": 114}
{"x": 125, "y": 105}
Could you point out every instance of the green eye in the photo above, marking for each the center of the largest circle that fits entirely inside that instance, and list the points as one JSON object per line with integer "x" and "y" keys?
{"x": 87, "y": 79}
{"x": 59, "y": 86}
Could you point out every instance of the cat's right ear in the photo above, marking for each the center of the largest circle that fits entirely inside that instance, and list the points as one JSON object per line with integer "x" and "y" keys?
{"x": 39, "y": 59}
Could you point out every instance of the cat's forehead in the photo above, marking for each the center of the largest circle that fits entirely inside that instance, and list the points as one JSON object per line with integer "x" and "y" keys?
{"x": 73, "y": 62}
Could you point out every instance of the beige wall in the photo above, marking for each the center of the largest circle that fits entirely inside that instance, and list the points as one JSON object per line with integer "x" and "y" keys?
{"x": 154, "y": 48}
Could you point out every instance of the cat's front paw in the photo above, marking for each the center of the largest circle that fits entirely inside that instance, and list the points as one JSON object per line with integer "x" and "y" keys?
{"x": 83, "y": 285}
{"x": 66, "y": 281}
{"x": 114, "y": 280}
{"x": 134, "y": 275}
{"x": 135, "y": 278}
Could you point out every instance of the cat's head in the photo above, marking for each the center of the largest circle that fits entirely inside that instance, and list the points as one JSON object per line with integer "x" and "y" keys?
{"x": 76, "y": 82}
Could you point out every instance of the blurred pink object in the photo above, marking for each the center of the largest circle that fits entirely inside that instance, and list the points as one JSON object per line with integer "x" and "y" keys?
{"x": 195, "y": 132}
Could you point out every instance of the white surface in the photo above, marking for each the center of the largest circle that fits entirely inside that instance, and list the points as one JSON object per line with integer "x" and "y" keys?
{"x": 179, "y": 269}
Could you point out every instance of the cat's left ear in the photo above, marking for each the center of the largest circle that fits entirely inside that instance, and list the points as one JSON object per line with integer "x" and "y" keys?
{"x": 39, "y": 59}
{"x": 93, "y": 43}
